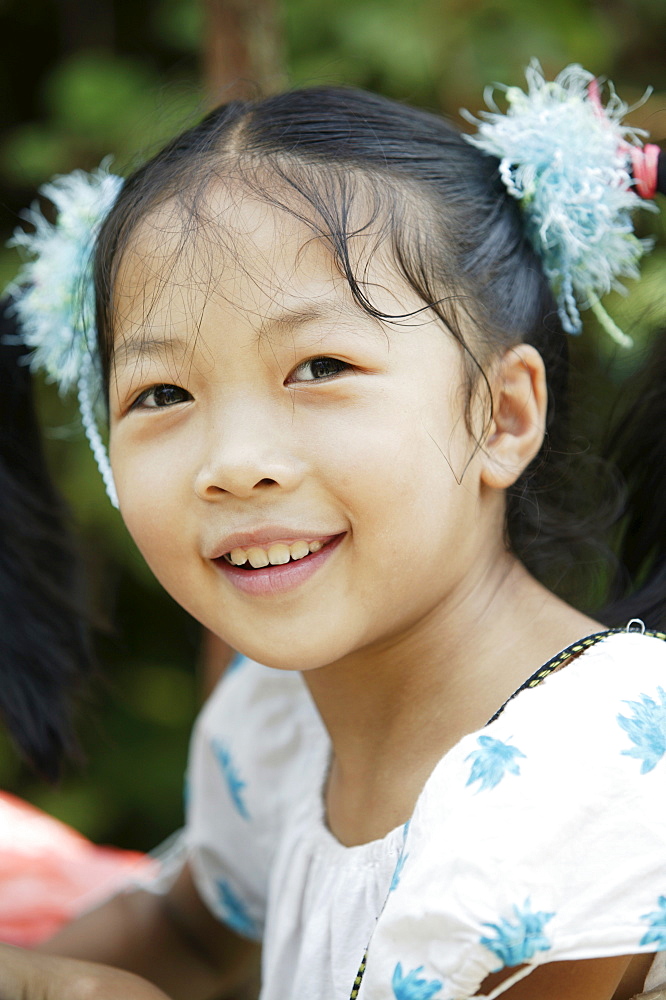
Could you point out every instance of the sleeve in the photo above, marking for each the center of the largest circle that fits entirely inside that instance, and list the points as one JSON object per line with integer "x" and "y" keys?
{"x": 541, "y": 838}
{"x": 248, "y": 759}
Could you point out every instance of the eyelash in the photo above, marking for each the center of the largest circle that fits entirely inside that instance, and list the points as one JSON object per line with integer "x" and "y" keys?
{"x": 344, "y": 366}
{"x": 141, "y": 400}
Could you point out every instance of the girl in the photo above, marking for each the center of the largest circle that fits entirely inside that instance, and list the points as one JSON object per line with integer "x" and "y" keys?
{"x": 331, "y": 333}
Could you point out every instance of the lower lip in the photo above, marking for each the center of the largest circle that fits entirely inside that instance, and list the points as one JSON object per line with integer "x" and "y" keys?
{"x": 277, "y": 579}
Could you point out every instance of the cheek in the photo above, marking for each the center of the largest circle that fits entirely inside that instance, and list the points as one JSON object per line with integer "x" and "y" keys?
{"x": 163, "y": 547}
{"x": 407, "y": 441}
{"x": 402, "y": 478}
{"x": 149, "y": 503}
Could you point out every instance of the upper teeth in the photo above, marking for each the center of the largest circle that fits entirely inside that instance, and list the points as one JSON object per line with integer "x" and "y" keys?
{"x": 275, "y": 555}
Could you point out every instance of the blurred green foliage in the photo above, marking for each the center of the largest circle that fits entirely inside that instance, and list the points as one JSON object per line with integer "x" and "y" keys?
{"x": 108, "y": 79}
{"x": 80, "y": 81}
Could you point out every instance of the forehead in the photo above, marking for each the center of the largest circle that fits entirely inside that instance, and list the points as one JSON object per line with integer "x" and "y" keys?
{"x": 239, "y": 252}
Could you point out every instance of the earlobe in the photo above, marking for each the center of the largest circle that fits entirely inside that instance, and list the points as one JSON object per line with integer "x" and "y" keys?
{"x": 518, "y": 425}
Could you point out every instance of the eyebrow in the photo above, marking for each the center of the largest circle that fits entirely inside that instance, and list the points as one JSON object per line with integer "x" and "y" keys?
{"x": 282, "y": 323}
{"x": 291, "y": 318}
{"x": 125, "y": 351}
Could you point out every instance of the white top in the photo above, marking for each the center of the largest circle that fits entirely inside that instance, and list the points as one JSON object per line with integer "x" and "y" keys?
{"x": 539, "y": 838}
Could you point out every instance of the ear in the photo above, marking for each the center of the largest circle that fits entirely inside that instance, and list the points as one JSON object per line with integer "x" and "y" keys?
{"x": 518, "y": 425}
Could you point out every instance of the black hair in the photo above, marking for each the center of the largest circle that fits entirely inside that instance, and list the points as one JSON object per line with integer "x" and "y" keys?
{"x": 638, "y": 587}
{"x": 45, "y": 651}
{"x": 439, "y": 206}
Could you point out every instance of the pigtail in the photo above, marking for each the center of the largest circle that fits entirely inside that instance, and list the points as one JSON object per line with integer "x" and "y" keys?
{"x": 638, "y": 449}
{"x": 45, "y": 650}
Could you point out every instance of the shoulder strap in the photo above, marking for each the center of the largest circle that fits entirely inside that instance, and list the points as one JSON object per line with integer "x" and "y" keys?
{"x": 570, "y": 653}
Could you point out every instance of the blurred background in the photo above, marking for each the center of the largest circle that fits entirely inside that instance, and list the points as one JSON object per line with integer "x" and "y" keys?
{"x": 84, "y": 79}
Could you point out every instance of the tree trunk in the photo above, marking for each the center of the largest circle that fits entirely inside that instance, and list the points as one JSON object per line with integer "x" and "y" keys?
{"x": 243, "y": 48}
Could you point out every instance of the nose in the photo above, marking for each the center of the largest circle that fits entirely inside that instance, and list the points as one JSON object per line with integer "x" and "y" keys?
{"x": 247, "y": 454}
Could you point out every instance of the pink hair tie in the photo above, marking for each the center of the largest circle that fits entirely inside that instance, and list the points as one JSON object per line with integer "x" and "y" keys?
{"x": 644, "y": 159}
{"x": 644, "y": 167}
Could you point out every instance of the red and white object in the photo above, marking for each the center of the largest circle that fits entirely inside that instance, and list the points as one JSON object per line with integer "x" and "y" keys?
{"x": 49, "y": 873}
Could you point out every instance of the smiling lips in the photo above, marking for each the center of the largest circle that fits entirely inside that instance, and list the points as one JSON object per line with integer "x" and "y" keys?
{"x": 279, "y": 567}
{"x": 276, "y": 554}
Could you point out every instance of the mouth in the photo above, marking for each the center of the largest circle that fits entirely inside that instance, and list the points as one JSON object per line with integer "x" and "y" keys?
{"x": 279, "y": 566}
{"x": 278, "y": 554}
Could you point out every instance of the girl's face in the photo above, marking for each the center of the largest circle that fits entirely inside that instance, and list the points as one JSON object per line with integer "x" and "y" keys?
{"x": 258, "y": 414}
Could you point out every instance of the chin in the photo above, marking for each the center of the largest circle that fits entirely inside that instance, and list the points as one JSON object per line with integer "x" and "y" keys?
{"x": 302, "y": 657}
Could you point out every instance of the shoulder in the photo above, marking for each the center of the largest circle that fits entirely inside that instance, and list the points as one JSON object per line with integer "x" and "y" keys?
{"x": 258, "y": 709}
{"x": 542, "y": 837}
{"x": 253, "y": 740}
{"x": 257, "y": 749}
{"x": 595, "y": 727}
{"x": 576, "y": 718}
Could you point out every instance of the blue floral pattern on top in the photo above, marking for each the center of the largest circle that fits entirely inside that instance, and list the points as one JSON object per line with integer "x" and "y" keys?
{"x": 647, "y": 729}
{"x": 237, "y": 662}
{"x": 412, "y": 987}
{"x": 515, "y": 943}
{"x": 235, "y": 784}
{"x": 234, "y": 910}
{"x": 657, "y": 920}
{"x": 397, "y": 872}
{"x": 492, "y": 761}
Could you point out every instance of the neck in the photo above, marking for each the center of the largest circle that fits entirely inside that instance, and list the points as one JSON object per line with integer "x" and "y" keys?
{"x": 392, "y": 710}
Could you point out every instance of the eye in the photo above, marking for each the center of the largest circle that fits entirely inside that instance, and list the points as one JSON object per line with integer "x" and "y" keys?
{"x": 160, "y": 396}
{"x": 318, "y": 369}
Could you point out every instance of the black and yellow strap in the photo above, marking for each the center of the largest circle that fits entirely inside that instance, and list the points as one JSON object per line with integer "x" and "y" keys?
{"x": 570, "y": 653}
{"x": 359, "y": 977}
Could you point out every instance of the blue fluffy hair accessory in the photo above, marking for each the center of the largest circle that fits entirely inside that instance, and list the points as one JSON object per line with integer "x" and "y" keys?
{"x": 53, "y": 294}
{"x": 566, "y": 159}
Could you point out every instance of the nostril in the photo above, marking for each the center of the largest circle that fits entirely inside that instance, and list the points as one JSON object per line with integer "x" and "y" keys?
{"x": 242, "y": 475}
